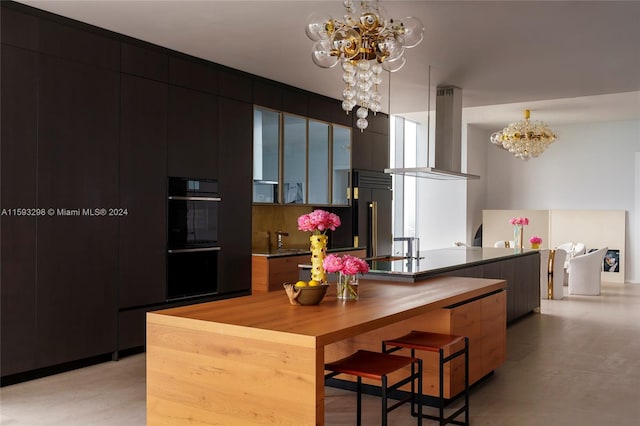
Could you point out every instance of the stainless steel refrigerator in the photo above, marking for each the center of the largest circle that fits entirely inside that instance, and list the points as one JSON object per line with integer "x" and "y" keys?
{"x": 371, "y": 211}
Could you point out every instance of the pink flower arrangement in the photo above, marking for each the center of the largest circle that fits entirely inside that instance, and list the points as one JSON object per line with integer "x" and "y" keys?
{"x": 349, "y": 265}
{"x": 535, "y": 240}
{"x": 318, "y": 222}
{"x": 519, "y": 221}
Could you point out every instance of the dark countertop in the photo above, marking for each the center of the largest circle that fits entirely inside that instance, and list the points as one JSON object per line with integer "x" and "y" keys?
{"x": 298, "y": 251}
{"x": 433, "y": 262}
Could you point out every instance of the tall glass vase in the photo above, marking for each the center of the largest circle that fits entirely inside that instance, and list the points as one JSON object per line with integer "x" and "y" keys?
{"x": 318, "y": 253}
{"x": 518, "y": 237}
{"x": 347, "y": 287}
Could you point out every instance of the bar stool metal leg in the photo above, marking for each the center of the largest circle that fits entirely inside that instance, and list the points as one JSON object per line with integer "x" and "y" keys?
{"x": 377, "y": 366}
{"x": 434, "y": 342}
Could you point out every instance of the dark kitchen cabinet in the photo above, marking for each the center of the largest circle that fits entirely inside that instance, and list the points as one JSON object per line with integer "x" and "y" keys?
{"x": 18, "y": 29}
{"x": 144, "y": 62}
{"x": 378, "y": 123}
{"x": 77, "y": 161}
{"x": 380, "y": 151}
{"x": 522, "y": 274}
{"x": 192, "y": 134}
{"x": 370, "y": 148}
{"x": 267, "y": 94}
{"x": 235, "y": 85}
{"x": 18, "y": 233}
{"x": 295, "y": 101}
{"x": 78, "y": 45}
{"x": 143, "y": 192}
{"x": 193, "y": 74}
{"x": 236, "y": 171}
{"x": 321, "y": 108}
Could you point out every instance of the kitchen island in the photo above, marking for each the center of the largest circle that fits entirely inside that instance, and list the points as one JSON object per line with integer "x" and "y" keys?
{"x": 260, "y": 360}
{"x": 521, "y": 270}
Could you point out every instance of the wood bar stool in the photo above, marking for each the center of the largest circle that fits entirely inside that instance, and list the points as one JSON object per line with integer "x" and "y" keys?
{"x": 376, "y": 365}
{"x": 436, "y": 342}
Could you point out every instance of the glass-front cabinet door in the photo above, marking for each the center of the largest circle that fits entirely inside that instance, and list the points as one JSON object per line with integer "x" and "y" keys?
{"x": 266, "y": 155}
{"x": 341, "y": 164}
{"x": 294, "y": 181}
{"x": 318, "y": 162}
{"x": 297, "y": 160}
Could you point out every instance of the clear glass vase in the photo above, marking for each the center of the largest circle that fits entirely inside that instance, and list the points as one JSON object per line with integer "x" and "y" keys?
{"x": 347, "y": 287}
{"x": 518, "y": 237}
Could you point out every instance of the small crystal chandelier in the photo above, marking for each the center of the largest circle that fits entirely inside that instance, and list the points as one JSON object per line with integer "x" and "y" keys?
{"x": 525, "y": 138}
{"x": 364, "y": 45}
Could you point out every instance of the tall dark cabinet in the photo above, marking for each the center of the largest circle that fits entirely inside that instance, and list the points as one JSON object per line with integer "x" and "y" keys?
{"x": 192, "y": 134}
{"x": 236, "y": 171}
{"x": 371, "y": 147}
{"x": 78, "y": 121}
{"x": 143, "y": 192}
{"x": 18, "y": 233}
{"x": 96, "y": 120}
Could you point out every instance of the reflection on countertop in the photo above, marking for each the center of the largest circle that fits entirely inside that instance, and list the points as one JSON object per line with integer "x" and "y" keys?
{"x": 432, "y": 262}
{"x": 297, "y": 251}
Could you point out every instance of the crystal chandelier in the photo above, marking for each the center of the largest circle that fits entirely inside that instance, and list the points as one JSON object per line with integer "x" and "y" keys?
{"x": 525, "y": 138}
{"x": 365, "y": 44}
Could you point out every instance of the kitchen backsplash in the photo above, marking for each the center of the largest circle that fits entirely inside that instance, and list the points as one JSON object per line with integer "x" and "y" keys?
{"x": 268, "y": 219}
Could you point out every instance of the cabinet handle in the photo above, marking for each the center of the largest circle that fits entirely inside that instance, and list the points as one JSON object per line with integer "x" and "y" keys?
{"x": 374, "y": 227}
{"x": 194, "y": 250}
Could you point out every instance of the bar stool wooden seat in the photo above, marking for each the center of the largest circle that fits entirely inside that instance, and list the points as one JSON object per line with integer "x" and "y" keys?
{"x": 377, "y": 366}
{"x": 436, "y": 342}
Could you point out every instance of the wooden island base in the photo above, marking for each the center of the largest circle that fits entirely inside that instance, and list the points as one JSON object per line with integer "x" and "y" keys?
{"x": 260, "y": 360}
{"x": 482, "y": 320}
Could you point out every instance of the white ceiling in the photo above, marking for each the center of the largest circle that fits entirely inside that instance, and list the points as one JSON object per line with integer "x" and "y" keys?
{"x": 564, "y": 60}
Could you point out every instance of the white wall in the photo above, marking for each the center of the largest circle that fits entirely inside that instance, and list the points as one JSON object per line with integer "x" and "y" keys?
{"x": 441, "y": 205}
{"x": 476, "y": 189}
{"x": 590, "y": 167}
{"x": 593, "y": 228}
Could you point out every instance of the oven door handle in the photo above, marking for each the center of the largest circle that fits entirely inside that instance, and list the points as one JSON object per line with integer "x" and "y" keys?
{"x": 181, "y": 198}
{"x": 194, "y": 250}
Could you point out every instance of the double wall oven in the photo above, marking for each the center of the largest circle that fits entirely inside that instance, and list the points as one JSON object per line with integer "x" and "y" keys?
{"x": 192, "y": 246}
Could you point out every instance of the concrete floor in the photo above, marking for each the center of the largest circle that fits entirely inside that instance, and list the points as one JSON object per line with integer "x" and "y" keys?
{"x": 577, "y": 362}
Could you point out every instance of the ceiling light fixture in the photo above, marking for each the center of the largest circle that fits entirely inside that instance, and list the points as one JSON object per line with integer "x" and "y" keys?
{"x": 364, "y": 45}
{"x": 524, "y": 138}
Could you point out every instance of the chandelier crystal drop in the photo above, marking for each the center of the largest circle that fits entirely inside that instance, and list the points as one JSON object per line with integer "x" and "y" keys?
{"x": 365, "y": 43}
{"x": 525, "y": 138}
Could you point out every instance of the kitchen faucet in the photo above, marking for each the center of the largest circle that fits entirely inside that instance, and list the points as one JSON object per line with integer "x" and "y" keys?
{"x": 410, "y": 246}
{"x": 280, "y": 234}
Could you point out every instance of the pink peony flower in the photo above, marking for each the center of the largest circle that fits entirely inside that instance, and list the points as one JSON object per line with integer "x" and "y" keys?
{"x": 535, "y": 240}
{"x": 353, "y": 265}
{"x": 332, "y": 263}
{"x": 349, "y": 265}
{"x": 519, "y": 221}
{"x": 318, "y": 221}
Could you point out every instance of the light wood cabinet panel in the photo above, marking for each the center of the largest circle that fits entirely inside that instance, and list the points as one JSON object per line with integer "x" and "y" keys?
{"x": 482, "y": 320}
{"x": 269, "y": 273}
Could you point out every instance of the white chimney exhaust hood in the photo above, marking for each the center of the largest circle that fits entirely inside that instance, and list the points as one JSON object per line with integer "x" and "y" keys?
{"x": 448, "y": 141}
